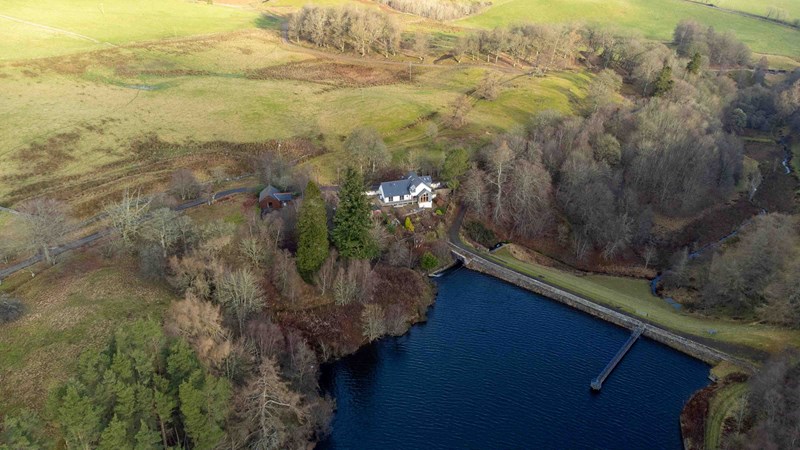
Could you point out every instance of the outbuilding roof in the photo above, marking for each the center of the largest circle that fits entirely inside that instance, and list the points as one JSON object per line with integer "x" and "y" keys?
{"x": 272, "y": 191}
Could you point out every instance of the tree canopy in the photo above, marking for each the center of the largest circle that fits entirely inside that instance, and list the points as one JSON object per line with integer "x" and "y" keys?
{"x": 352, "y": 224}
{"x": 312, "y": 226}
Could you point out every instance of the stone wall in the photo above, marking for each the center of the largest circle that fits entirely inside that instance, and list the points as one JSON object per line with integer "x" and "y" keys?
{"x": 684, "y": 345}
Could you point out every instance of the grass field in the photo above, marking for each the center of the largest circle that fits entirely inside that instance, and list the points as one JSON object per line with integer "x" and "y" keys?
{"x": 633, "y": 297}
{"x": 654, "y": 19}
{"x": 723, "y": 404}
{"x": 73, "y": 122}
{"x": 69, "y": 308}
{"x": 109, "y": 22}
{"x": 761, "y": 7}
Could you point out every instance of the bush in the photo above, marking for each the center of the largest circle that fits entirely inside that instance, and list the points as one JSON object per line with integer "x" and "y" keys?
{"x": 409, "y": 225}
{"x": 11, "y": 309}
{"x": 429, "y": 262}
{"x": 480, "y": 234}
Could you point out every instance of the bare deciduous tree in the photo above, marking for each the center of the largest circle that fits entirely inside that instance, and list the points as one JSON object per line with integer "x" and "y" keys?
{"x": 373, "y": 322}
{"x": 327, "y": 273}
{"x": 166, "y": 227}
{"x": 200, "y": 323}
{"x": 184, "y": 185}
{"x": 277, "y": 413}
{"x": 127, "y": 216}
{"x": 457, "y": 117}
{"x": 241, "y": 294}
{"x": 45, "y": 225}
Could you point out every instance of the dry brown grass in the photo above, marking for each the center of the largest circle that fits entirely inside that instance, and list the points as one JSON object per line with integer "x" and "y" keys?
{"x": 334, "y": 74}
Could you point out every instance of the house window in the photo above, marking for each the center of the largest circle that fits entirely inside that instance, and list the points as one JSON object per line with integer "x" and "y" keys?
{"x": 424, "y": 198}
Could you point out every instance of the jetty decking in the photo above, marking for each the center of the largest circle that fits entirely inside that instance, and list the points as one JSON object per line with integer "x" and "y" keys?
{"x": 597, "y": 383}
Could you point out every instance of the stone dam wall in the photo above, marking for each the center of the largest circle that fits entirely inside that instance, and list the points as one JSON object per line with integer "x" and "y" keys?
{"x": 684, "y": 345}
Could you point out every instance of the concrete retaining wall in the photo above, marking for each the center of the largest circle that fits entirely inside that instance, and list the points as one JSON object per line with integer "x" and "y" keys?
{"x": 692, "y": 348}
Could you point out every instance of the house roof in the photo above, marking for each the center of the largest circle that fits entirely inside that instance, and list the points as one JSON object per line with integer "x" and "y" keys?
{"x": 272, "y": 191}
{"x": 404, "y": 186}
{"x": 267, "y": 191}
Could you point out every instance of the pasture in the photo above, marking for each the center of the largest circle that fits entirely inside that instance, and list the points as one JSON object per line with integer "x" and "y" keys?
{"x": 654, "y": 19}
{"x": 57, "y": 27}
{"x": 85, "y": 127}
{"x": 761, "y": 7}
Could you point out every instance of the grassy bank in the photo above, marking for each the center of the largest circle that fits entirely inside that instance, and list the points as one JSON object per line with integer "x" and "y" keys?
{"x": 633, "y": 297}
{"x": 654, "y": 19}
{"x": 71, "y": 307}
{"x": 724, "y": 404}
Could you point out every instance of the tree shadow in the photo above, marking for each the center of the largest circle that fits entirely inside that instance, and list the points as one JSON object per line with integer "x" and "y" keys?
{"x": 268, "y": 22}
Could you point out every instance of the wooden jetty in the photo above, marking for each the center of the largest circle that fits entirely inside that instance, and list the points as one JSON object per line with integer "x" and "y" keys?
{"x": 597, "y": 383}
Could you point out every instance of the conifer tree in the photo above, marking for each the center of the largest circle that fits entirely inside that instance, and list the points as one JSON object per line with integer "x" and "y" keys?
{"x": 694, "y": 65}
{"x": 351, "y": 232}
{"x": 664, "y": 81}
{"x": 312, "y": 226}
{"x": 114, "y": 437}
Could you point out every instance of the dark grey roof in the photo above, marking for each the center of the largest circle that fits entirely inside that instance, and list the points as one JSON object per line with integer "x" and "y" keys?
{"x": 272, "y": 191}
{"x": 269, "y": 190}
{"x": 404, "y": 186}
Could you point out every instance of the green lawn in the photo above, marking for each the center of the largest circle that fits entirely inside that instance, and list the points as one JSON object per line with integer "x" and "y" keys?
{"x": 724, "y": 403}
{"x": 69, "y": 308}
{"x": 760, "y": 7}
{"x": 108, "y": 21}
{"x": 633, "y": 297}
{"x": 654, "y": 19}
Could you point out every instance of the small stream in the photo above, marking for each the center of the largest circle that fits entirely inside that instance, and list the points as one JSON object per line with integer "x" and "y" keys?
{"x": 786, "y": 162}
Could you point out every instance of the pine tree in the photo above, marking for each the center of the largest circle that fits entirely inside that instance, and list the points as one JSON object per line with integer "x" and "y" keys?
{"x": 312, "y": 226}
{"x": 694, "y": 65}
{"x": 146, "y": 437}
{"x": 351, "y": 232}
{"x": 204, "y": 406}
{"x": 79, "y": 418}
{"x": 115, "y": 436}
{"x": 664, "y": 81}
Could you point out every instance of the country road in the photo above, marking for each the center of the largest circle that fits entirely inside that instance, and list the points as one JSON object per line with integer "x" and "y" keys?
{"x": 86, "y": 240}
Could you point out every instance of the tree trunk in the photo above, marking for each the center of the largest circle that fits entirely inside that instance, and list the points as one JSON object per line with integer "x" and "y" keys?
{"x": 47, "y": 257}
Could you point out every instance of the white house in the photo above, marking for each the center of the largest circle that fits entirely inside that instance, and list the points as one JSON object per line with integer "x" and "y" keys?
{"x": 411, "y": 189}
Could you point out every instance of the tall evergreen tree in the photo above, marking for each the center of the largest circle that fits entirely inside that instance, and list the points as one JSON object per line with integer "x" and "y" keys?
{"x": 143, "y": 392}
{"x": 664, "y": 81}
{"x": 694, "y": 65}
{"x": 312, "y": 226}
{"x": 351, "y": 232}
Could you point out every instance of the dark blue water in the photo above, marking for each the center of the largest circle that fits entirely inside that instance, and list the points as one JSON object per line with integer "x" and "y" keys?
{"x": 499, "y": 367}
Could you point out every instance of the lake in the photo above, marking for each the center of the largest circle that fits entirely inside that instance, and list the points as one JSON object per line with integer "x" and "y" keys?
{"x": 497, "y": 366}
